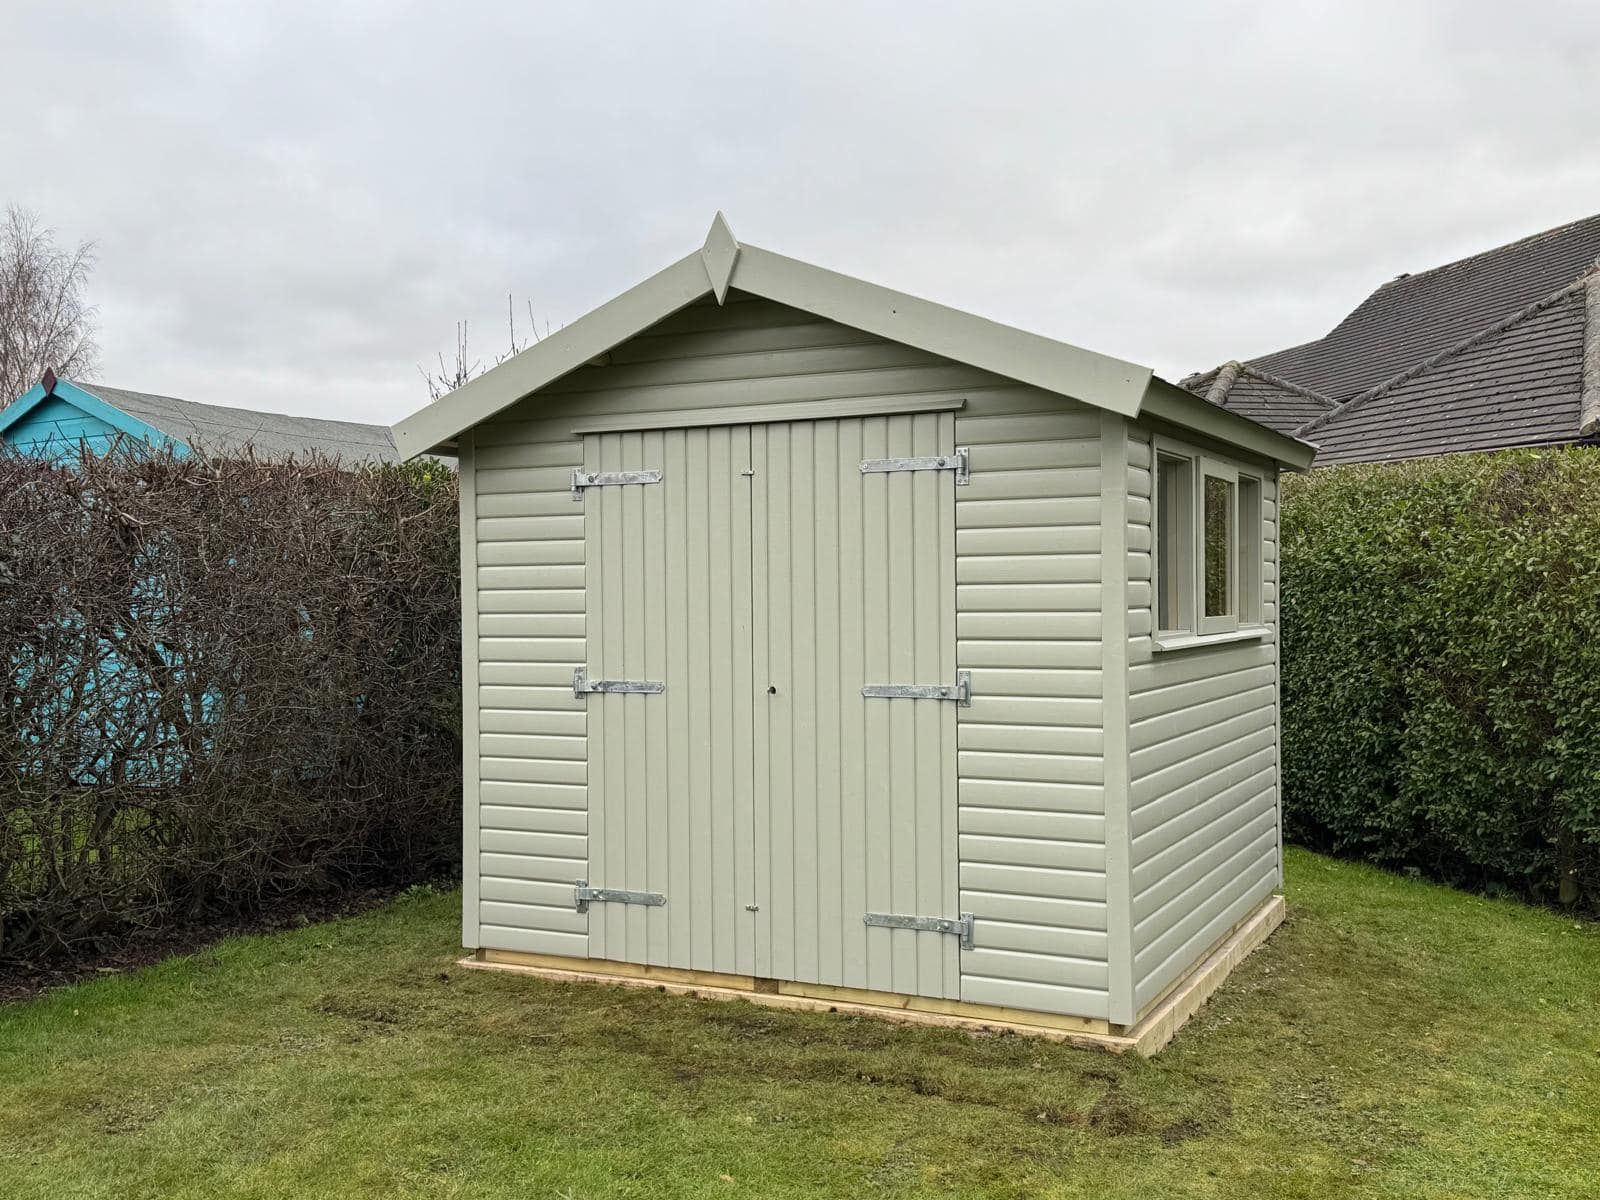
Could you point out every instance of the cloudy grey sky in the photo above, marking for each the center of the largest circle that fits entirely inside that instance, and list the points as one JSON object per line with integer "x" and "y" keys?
{"x": 294, "y": 203}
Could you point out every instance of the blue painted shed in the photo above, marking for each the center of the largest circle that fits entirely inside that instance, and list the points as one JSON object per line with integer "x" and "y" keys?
{"x": 56, "y": 417}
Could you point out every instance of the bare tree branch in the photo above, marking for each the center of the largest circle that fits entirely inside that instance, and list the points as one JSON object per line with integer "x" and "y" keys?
{"x": 45, "y": 319}
{"x": 465, "y": 368}
{"x": 455, "y": 374}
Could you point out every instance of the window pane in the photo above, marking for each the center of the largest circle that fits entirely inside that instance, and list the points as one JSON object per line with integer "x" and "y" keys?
{"x": 1174, "y": 544}
{"x": 1249, "y": 549}
{"x": 1219, "y": 559}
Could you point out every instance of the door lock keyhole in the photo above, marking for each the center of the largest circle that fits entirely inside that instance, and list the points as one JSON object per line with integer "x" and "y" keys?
{"x": 772, "y": 689}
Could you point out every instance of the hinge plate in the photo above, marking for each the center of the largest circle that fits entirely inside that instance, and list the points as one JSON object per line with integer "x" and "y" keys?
{"x": 584, "y": 895}
{"x": 961, "y": 927}
{"x": 589, "y": 479}
{"x": 582, "y": 685}
{"x": 960, "y": 462}
{"x": 961, "y": 692}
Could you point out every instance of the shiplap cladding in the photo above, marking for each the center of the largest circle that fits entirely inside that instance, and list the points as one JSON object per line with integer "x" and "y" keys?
{"x": 1032, "y": 796}
{"x": 57, "y": 429}
{"x": 1027, "y": 529}
{"x": 1203, "y": 769}
{"x": 531, "y": 821}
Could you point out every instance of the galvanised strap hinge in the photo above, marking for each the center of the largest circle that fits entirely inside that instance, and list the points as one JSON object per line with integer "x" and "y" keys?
{"x": 589, "y": 479}
{"x": 584, "y": 895}
{"x": 960, "y": 462}
{"x": 961, "y": 693}
{"x": 962, "y": 928}
{"x": 582, "y": 685}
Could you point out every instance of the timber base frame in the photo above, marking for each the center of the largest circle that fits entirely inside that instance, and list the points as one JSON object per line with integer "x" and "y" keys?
{"x": 1148, "y": 1036}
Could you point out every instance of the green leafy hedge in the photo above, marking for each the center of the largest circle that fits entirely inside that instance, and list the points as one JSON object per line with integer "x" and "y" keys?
{"x": 1441, "y": 668}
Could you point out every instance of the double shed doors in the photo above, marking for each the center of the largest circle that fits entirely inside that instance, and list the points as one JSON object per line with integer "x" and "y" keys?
{"x": 760, "y": 799}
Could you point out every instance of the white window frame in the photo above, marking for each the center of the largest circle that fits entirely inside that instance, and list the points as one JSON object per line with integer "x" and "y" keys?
{"x": 1226, "y": 622}
{"x": 1252, "y": 565}
{"x": 1184, "y": 587}
{"x": 1245, "y": 549}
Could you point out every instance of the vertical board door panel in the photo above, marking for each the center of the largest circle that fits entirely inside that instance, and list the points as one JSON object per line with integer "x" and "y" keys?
{"x": 669, "y": 600}
{"x": 854, "y": 584}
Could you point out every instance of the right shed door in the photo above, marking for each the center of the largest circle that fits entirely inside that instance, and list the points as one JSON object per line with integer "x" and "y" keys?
{"x": 853, "y": 584}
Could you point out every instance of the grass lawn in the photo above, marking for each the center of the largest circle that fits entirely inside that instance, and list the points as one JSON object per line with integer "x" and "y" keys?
{"x": 1393, "y": 1038}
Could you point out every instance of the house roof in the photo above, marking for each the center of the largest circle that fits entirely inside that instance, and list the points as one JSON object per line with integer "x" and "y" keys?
{"x": 1519, "y": 382}
{"x": 214, "y": 426}
{"x": 1262, "y": 396}
{"x": 723, "y": 264}
{"x": 1482, "y": 353}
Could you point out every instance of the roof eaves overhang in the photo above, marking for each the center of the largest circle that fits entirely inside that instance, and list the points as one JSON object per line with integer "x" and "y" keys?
{"x": 1177, "y": 406}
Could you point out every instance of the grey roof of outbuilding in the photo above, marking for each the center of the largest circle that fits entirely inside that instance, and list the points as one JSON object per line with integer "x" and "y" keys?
{"x": 271, "y": 435}
{"x": 1479, "y": 354}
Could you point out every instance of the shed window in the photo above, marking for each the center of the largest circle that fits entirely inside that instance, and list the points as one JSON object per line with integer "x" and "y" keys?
{"x": 1249, "y": 573}
{"x": 1207, "y": 545}
{"x": 1174, "y": 544}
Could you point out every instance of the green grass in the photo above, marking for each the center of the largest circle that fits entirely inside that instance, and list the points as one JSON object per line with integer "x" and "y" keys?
{"x": 1393, "y": 1038}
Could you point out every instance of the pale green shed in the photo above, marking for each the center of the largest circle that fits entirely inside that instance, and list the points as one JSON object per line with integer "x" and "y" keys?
{"x": 833, "y": 647}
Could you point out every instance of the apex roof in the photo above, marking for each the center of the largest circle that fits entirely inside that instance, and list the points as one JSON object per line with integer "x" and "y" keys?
{"x": 724, "y": 264}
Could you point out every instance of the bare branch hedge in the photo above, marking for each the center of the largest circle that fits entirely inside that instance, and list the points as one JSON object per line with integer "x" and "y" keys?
{"x": 230, "y": 682}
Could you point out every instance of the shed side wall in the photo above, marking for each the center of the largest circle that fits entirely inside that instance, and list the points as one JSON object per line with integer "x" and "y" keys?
{"x": 1028, "y": 626}
{"x": 1203, "y": 770}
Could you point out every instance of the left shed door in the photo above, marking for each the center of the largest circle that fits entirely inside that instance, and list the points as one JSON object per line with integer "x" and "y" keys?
{"x": 670, "y": 773}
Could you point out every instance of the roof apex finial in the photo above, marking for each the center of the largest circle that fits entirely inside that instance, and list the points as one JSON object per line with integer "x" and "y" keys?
{"x": 719, "y": 254}
{"x": 48, "y": 381}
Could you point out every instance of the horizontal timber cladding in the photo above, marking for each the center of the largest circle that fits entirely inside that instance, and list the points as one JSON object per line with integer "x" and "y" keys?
{"x": 1030, "y": 807}
{"x": 1203, "y": 763}
{"x": 532, "y": 770}
{"x": 1031, "y": 791}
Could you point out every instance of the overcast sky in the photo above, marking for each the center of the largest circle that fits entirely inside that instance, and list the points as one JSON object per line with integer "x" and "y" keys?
{"x": 294, "y": 204}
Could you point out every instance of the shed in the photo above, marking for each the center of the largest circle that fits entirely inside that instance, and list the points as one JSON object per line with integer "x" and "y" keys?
{"x": 832, "y": 647}
{"x": 57, "y": 418}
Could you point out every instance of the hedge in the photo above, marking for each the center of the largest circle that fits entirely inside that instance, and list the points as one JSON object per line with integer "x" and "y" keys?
{"x": 1441, "y": 668}
{"x": 229, "y": 683}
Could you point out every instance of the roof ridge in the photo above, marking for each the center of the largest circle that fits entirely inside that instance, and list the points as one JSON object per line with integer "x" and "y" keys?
{"x": 1288, "y": 385}
{"x": 1449, "y": 352}
{"x": 1229, "y": 373}
{"x": 1226, "y": 376}
{"x": 1589, "y": 389}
